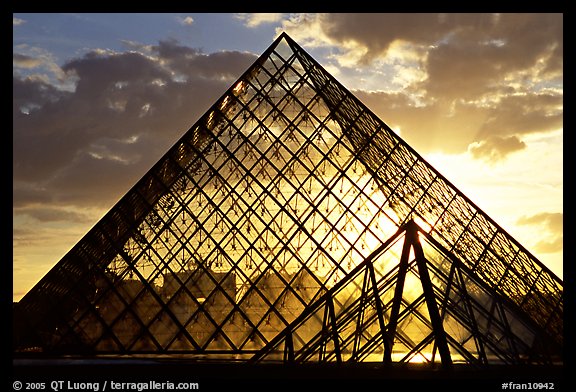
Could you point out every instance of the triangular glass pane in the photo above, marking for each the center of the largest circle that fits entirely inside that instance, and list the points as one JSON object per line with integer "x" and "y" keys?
{"x": 424, "y": 354}
{"x": 180, "y": 343}
{"x": 412, "y": 286}
{"x": 164, "y": 329}
{"x": 309, "y": 331}
{"x": 201, "y": 328}
{"x": 107, "y": 343}
{"x": 415, "y": 325}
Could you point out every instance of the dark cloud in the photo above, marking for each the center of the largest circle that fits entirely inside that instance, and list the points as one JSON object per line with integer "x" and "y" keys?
{"x": 467, "y": 47}
{"x": 488, "y": 78}
{"x": 197, "y": 65}
{"x": 92, "y": 181}
{"x": 126, "y": 111}
{"x": 32, "y": 93}
{"x": 496, "y": 148}
{"x": 523, "y": 114}
{"x": 476, "y": 57}
{"x": 376, "y": 32}
{"x": 129, "y": 68}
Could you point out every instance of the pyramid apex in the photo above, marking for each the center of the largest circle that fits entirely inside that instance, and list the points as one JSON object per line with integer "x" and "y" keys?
{"x": 283, "y": 35}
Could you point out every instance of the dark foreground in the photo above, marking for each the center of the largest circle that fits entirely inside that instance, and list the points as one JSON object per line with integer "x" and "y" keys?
{"x": 127, "y": 374}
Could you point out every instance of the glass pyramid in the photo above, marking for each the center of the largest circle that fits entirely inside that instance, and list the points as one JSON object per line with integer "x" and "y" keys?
{"x": 291, "y": 224}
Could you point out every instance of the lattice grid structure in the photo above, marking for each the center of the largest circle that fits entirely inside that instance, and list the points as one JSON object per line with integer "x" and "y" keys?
{"x": 272, "y": 231}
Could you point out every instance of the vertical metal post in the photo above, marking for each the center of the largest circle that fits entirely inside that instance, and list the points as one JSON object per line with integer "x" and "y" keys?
{"x": 289, "y": 348}
{"x": 474, "y": 324}
{"x": 332, "y": 315}
{"x": 360, "y": 318}
{"x": 399, "y": 289}
{"x": 380, "y": 312}
{"x": 436, "y": 320}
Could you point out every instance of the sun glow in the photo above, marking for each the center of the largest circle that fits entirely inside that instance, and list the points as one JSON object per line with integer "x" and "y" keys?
{"x": 513, "y": 189}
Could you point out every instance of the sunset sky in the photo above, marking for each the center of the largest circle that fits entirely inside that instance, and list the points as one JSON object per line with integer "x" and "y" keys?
{"x": 99, "y": 98}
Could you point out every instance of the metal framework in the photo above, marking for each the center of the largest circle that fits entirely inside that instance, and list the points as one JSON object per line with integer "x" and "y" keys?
{"x": 379, "y": 313}
{"x": 272, "y": 231}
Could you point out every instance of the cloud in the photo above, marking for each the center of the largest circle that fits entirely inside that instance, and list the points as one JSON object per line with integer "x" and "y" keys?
{"x": 451, "y": 82}
{"x": 495, "y": 148}
{"x": 126, "y": 110}
{"x": 32, "y": 93}
{"x": 137, "y": 46}
{"x": 488, "y": 131}
{"x": 17, "y": 21}
{"x": 556, "y": 245}
{"x": 23, "y": 61}
{"x": 187, "y": 21}
{"x": 257, "y": 19}
{"x": 454, "y": 40}
{"x": 552, "y": 225}
{"x": 523, "y": 114}
{"x": 446, "y": 98}
{"x": 370, "y": 35}
{"x": 554, "y": 222}
{"x": 77, "y": 151}
{"x": 193, "y": 64}
{"x": 507, "y": 57}
{"x": 430, "y": 127}
{"x": 27, "y": 58}
{"x": 308, "y": 30}
{"x": 463, "y": 55}
{"x": 49, "y": 214}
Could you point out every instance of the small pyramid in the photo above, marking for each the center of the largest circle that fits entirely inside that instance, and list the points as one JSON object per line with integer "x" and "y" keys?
{"x": 290, "y": 223}
{"x": 411, "y": 300}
